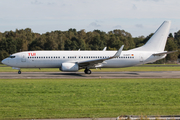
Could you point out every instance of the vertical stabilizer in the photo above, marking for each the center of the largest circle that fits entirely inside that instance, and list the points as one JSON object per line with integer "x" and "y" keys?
{"x": 158, "y": 41}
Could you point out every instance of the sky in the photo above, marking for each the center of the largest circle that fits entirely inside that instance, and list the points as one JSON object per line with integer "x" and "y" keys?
{"x": 138, "y": 17}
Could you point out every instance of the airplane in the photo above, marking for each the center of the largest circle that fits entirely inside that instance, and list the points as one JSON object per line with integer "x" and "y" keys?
{"x": 72, "y": 61}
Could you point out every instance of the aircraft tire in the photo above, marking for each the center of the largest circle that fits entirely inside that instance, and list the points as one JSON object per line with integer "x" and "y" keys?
{"x": 88, "y": 71}
{"x": 19, "y": 72}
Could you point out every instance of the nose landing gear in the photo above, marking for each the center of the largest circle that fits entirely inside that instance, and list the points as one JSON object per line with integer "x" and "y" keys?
{"x": 19, "y": 72}
{"x": 87, "y": 71}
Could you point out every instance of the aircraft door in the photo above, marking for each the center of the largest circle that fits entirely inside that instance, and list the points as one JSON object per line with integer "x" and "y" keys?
{"x": 141, "y": 59}
{"x": 23, "y": 59}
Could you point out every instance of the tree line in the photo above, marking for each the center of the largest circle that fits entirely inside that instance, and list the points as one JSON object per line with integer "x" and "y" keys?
{"x": 26, "y": 40}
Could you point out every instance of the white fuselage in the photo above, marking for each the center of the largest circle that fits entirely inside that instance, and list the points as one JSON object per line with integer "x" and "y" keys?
{"x": 54, "y": 59}
{"x": 72, "y": 61}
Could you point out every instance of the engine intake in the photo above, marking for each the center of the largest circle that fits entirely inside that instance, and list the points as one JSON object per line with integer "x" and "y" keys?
{"x": 69, "y": 67}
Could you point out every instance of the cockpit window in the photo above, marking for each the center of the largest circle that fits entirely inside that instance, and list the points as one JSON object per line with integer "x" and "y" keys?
{"x": 12, "y": 56}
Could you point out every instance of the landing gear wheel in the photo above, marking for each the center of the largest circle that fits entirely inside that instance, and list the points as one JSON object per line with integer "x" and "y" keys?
{"x": 19, "y": 72}
{"x": 87, "y": 71}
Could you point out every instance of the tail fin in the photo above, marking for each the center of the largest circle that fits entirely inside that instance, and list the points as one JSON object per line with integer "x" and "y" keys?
{"x": 158, "y": 41}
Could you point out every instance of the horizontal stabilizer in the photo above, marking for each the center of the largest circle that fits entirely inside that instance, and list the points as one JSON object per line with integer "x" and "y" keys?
{"x": 163, "y": 53}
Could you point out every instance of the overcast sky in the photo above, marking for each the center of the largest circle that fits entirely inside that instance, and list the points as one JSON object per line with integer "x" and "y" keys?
{"x": 138, "y": 17}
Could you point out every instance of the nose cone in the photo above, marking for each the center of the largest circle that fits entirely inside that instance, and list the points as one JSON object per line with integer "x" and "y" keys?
{"x": 4, "y": 61}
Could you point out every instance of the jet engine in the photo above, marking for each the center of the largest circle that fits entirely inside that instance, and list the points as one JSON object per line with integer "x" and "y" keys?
{"x": 69, "y": 67}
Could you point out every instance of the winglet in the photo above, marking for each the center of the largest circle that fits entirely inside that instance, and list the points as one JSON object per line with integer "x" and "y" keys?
{"x": 118, "y": 53}
{"x": 104, "y": 48}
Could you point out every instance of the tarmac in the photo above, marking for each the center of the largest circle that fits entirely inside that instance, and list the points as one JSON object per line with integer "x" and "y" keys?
{"x": 82, "y": 75}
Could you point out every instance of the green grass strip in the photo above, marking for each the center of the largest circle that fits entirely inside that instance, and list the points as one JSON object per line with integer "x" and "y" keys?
{"x": 78, "y": 98}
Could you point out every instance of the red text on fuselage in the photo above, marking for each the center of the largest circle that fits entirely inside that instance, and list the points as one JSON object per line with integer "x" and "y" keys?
{"x": 31, "y": 54}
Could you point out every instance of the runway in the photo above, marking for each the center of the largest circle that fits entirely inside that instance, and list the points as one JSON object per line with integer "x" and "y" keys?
{"x": 36, "y": 75}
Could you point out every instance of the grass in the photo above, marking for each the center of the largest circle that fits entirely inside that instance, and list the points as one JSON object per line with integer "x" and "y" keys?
{"x": 135, "y": 68}
{"x": 93, "y": 98}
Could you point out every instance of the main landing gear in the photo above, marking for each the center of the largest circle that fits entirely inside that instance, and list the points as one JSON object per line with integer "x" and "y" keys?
{"x": 19, "y": 72}
{"x": 87, "y": 71}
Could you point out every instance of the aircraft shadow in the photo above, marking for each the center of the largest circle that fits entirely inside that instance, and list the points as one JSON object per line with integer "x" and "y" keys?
{"x": 80, "y": 74}
{"x": 67, "y": 74}
{"x": 131, "y": 73}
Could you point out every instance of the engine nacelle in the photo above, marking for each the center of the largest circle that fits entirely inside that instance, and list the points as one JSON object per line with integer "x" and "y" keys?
{"x": 69, "y": 67}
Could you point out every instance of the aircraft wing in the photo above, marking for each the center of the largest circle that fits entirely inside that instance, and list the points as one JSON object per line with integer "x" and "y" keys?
{"x": 99, "y": 62}
{"x": 163, "y": 53}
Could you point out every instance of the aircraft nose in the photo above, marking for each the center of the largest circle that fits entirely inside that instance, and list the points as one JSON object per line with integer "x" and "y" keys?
{"x": 4, "y": 61}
